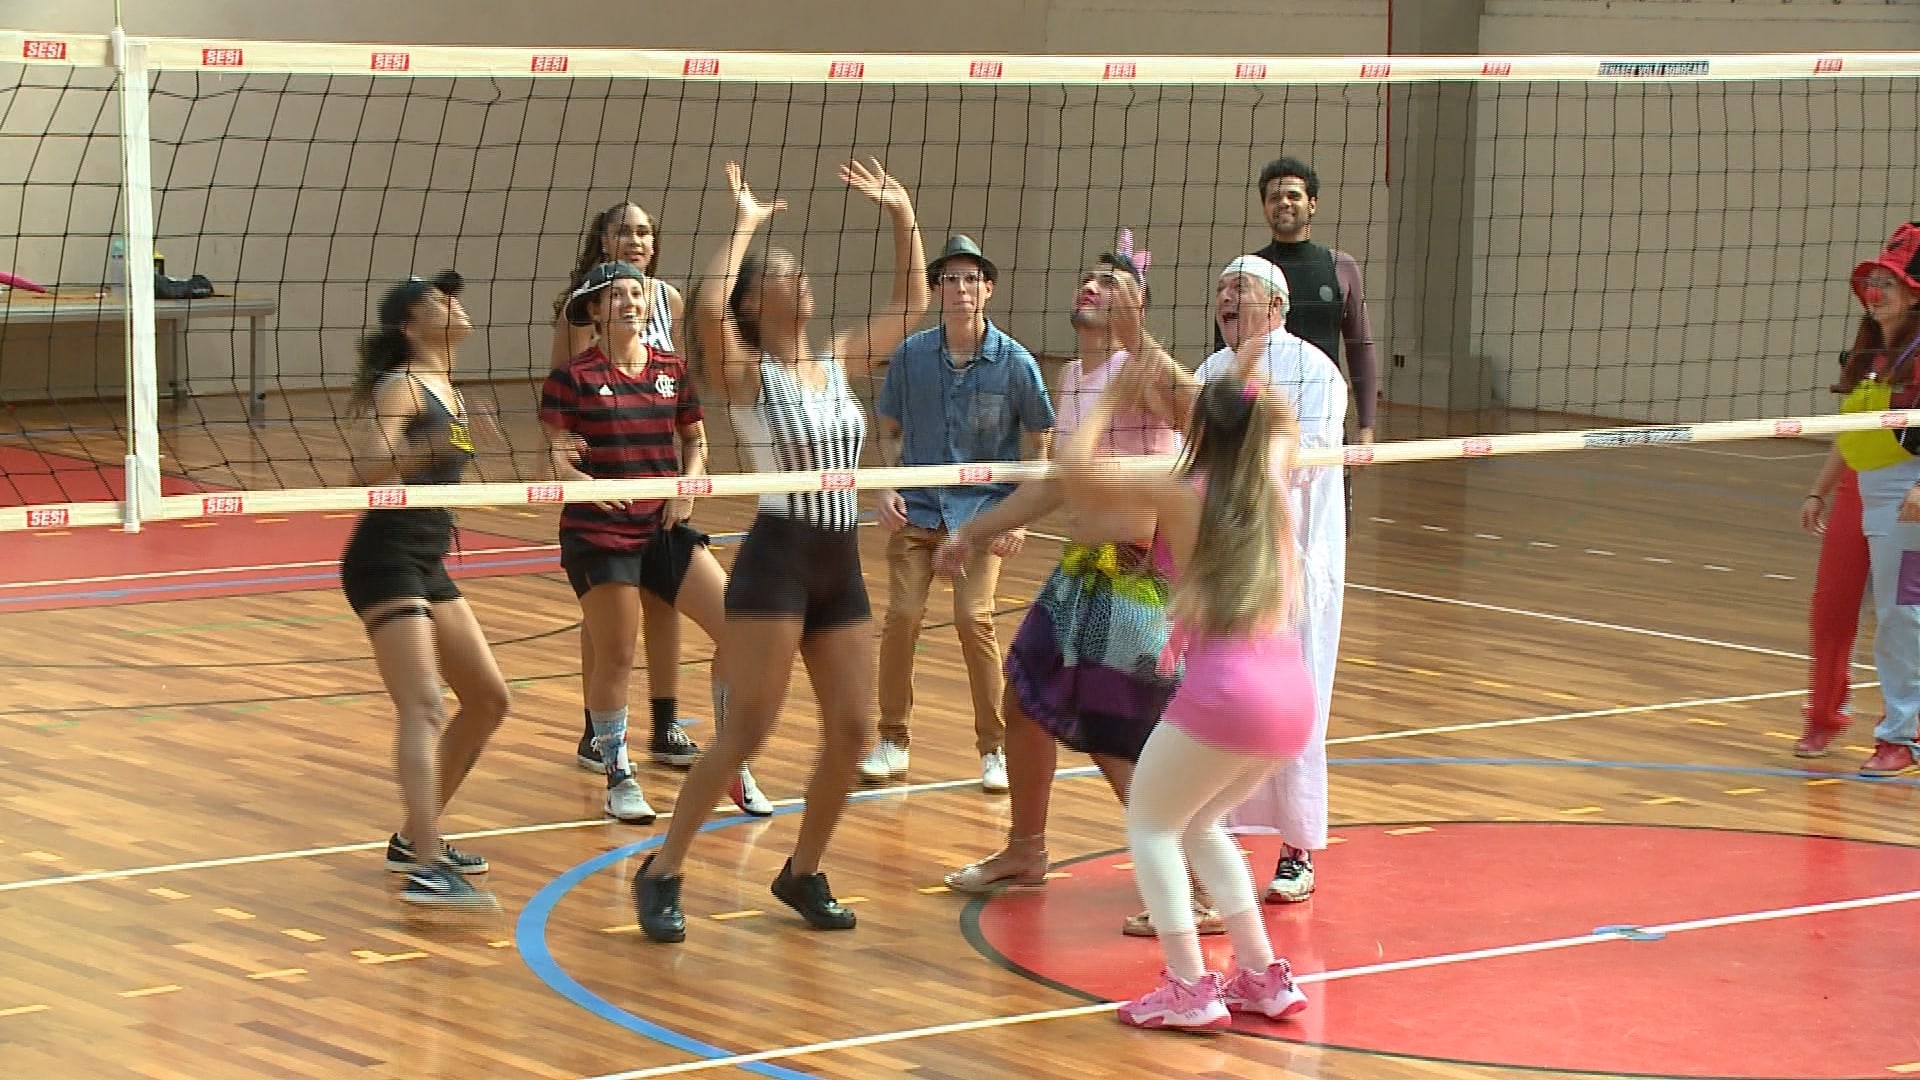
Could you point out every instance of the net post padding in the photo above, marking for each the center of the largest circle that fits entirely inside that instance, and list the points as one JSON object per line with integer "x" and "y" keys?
{"x": 537, "y": 493}
{"x": 143, "y": 399}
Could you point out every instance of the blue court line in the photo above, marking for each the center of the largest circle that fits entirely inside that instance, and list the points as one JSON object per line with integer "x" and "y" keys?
{"x": 530, "y": 930}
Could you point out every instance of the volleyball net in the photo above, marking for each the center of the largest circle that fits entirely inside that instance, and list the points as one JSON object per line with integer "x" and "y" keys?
{"x": 1556, "y": 252}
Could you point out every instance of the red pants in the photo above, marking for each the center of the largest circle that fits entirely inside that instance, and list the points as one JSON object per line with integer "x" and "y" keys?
{"x": 1839, "y": 586}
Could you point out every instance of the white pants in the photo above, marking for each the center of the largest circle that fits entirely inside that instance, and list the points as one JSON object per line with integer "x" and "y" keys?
{"x": 1181, "y": 790}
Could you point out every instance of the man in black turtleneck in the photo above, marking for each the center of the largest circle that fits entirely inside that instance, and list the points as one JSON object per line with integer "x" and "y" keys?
{"x": 1328, "y": 307}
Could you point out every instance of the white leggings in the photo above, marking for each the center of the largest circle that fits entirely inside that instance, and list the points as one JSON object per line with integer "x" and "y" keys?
{"x": 1181, "y": 790}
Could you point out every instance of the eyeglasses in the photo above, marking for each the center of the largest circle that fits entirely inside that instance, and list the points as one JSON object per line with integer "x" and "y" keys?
{"x": 968, "y": 279}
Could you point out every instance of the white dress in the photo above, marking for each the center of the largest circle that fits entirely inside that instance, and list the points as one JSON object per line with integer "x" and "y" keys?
{"x": 1292, "y": 802}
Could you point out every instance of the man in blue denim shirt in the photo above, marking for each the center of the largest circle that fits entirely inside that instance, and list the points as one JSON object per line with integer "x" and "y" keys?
{"x": 957, "y": 393}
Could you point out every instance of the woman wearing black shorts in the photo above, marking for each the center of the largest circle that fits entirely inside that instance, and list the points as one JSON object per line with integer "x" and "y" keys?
{"x": 395, "y": 577}
{"x": 796, "y": 586}
{"x": 626, "y": 409}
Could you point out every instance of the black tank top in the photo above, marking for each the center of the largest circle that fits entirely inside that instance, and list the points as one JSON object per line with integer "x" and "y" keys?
{"x": 437, "y": 429}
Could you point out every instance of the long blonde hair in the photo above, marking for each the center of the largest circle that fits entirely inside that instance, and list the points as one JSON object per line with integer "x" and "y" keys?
{"x": 1241, "y": 575}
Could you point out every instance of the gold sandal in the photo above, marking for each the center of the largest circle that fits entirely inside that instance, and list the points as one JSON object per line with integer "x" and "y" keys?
{"x": 1002, "y": 869}
{"x": 1206, "y": 921}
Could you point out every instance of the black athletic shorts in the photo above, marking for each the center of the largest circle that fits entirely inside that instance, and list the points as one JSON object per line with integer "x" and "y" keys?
{"x": 659, "y": 567}
{"x": 398, "y": 555}
{"x": 795, "y": 570}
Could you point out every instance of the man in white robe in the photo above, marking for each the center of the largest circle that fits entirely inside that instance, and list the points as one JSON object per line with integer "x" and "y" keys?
{"x": 1251, "y": 300}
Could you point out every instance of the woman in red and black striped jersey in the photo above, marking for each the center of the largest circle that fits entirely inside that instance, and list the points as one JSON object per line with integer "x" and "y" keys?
{"x": 797, "y": 586}
{"x": 626, "y": 233}
{"x": 625, "y": 409}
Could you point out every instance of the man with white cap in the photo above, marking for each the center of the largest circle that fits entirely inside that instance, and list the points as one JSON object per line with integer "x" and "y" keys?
{"x": 1250, "y": 300}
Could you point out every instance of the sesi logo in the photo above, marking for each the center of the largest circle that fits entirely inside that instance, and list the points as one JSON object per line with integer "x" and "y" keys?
{"x": 1497, "y": 67}
{"x": 1476, "y": 447}
{"x": 48, "y": 518}
{"x": 986, "y": 69}
{"x": 392, "y": 61}
{"x": 837, "y": 481}
{"x": 386, "y": 498}
{"x": 1786, "y": 429}
{"x": 976, "y": 474}
{"x": 221, "y": 58}
{"x": 1375, "y": 71}
{"x": 544, "y": 493}
{"x": 846, "y": 69}
{"x": 43, "y": 50}
{"x": 549, "y": 64}
{"x": 1249, "y": 71}
{"x": 1358, "y": 455}
{"x": 701, "y": 65}
{"x": 694, "y": 485}
{"x": 214, "y": 505}
{"x": 1122, "y": 69}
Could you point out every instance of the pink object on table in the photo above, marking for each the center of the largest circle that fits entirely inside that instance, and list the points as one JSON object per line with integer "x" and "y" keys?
{"x": 19, "y": 282}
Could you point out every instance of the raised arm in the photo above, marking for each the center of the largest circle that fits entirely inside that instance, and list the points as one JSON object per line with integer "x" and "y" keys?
{"x": 1167, "y": 390}
{"x": 737, "y": 364}
{"x": 860, "y": 349}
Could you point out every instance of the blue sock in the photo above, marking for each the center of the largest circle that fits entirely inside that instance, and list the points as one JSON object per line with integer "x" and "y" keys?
{"x": 610, "y": 735}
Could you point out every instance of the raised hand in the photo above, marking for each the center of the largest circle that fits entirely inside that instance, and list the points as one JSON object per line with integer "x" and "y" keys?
{"x": 750, "y": 207}
{"x": 872, "y": 180}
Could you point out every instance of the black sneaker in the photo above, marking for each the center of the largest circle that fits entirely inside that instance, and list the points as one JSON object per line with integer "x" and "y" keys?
{"x": 588, "y": 755}
{"x": 672, "y": 747}
{"x": 443, "y": 887}
{"x": 401, "y": 858}
{"x": 656, "y": 903}
{"x": 812, "y": 898}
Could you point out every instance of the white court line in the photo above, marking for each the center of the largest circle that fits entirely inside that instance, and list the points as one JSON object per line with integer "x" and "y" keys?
{"x": 1571, "y": 620}
{"x": 155, "y": 575}
{"x": 377, "y": 845}
{"x": 1752, "y": 457}
{"x": 1413, "y": 964}
{"x": 1590, "y": 624}
{"x": 904, "y": 789}
{"x": 1590, "y": 714}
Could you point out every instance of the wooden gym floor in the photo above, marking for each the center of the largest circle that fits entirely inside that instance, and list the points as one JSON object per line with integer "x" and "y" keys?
{"x": 1570, "y": 834}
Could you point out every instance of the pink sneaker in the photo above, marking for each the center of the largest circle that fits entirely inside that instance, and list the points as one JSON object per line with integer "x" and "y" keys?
{"x": 1270, "y": 993}
{"x": 1192, "y": 1006}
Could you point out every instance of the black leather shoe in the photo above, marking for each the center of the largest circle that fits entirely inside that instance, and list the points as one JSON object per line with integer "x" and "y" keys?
{"x": 656, "y": 902}
{"x": 812, "y": 898}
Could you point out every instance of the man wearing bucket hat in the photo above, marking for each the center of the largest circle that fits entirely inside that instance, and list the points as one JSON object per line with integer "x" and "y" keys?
{"x": 1882, "y": 374}
{"x": 957, "y": 393}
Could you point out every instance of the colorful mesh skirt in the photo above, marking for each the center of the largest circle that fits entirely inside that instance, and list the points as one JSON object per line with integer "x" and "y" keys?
{"x": 1085, "y": 662}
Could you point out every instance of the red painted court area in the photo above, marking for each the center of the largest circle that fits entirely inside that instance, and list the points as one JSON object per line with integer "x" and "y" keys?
{"x": 182, "y": 560}
{"x": 1765, "y": 991}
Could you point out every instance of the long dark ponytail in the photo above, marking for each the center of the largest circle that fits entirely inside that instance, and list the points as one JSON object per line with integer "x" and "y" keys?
{"x": 385, "y": 350}
{"x": 593, "y": 250}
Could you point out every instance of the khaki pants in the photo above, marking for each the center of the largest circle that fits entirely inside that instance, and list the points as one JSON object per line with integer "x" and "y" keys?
{"x": 910, "y": 575}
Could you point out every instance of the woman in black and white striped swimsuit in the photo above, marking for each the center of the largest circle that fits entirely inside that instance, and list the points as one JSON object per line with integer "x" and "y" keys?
{"x": 796, "y": 585}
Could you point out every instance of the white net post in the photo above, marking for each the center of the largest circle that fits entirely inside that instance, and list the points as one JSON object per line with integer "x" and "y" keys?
{"x": 143, "y": 399}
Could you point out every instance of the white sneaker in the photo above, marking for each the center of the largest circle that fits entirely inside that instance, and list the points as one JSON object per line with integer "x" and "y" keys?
{"x": 993, "y": 771}
{"x": 625, "y": 802}
{"x": 747, "y": 795}
{"x": 887, "y": 762}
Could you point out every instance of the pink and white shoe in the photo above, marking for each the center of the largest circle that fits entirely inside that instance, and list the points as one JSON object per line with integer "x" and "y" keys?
{"x": 1176, "y": 1003}
{"x": 1271, "y": 993}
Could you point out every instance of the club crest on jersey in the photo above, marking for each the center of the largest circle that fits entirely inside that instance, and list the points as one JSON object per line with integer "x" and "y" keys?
{"x": 665, "y": 384}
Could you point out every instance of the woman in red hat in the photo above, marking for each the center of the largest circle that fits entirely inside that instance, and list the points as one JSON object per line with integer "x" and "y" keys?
{"x": 1883, "y": 373}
